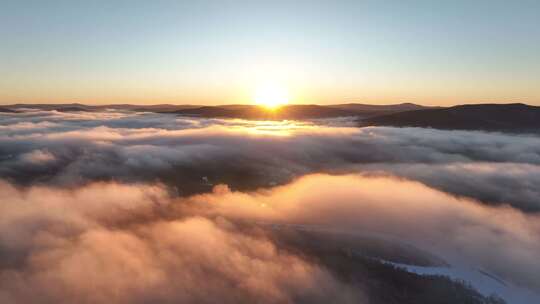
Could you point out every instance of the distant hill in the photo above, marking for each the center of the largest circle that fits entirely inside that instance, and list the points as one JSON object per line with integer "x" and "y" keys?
{"x": 152, "y": 108}
{"x": 400, "y": 107}
{"x": 369, "y": 110}
{"x": 237, "y": 110}
{"x": 74, "y": 109}
{"x": 48, "y": 107}
{"x": 515, "y": 117}
{"x": 7, "y": 110}
{"x": 77, "y": 107}
{"x": 258, "y": 112}
{"x": 298, "y": 111}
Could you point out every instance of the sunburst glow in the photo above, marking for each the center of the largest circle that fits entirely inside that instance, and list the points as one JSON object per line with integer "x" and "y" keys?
{"x": 271, "y": 96}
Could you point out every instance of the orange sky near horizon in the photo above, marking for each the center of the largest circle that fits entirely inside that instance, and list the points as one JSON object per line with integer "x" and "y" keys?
{"x": 239, "y": 99}
{"x": 218, "y": 52}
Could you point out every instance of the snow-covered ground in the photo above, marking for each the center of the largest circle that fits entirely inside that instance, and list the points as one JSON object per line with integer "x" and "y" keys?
{"x": 484, "y": 282}
{"x": 481, "y": 280}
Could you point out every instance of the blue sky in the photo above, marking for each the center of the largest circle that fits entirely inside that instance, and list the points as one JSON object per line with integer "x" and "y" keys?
{"x": 215, "y": 52}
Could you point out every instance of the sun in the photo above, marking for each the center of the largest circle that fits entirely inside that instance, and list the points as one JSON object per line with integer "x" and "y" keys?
{"x": 271, "y": 96}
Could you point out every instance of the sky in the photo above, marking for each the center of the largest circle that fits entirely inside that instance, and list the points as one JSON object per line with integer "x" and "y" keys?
{"x": 221, "y": 52}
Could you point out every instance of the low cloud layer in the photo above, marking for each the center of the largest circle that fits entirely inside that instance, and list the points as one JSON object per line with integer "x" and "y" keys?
{"x": 511, "y": 184}
{"x": 111, "y": 243}
{"x": 191, "y": 155}
{"x": 128, "y": 207}
{"x": 137, "y": 244}
{"x": 500, "y": 239}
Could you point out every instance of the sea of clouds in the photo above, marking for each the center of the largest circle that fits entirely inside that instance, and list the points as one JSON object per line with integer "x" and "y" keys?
{"x": 144, "y": 207}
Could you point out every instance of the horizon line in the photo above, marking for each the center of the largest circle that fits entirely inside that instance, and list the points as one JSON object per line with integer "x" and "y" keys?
{"x": 253, "y": 104}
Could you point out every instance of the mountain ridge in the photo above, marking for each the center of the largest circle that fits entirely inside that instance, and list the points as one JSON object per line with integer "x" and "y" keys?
{"x": 490, "y": 117}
